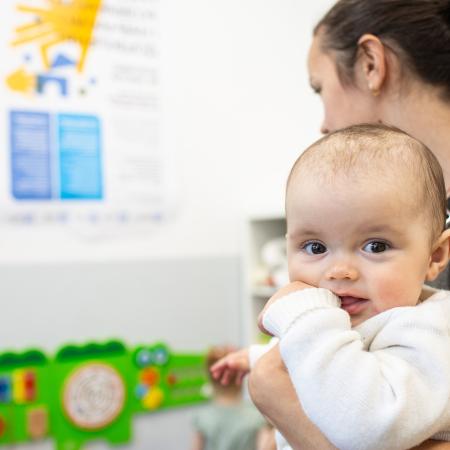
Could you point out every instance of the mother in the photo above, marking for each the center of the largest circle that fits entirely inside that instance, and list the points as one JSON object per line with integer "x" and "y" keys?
{"x": 371, "y": 61}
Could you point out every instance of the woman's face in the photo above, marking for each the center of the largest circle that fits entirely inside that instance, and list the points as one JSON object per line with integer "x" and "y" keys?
{"x": 343, "y": 105}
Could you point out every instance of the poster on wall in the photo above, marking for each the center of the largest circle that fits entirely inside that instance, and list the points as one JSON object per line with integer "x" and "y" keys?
{"x": 82, "y": 113}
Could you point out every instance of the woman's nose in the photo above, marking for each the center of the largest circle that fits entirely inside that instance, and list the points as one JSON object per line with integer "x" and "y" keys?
{"x": 342, "y": 271}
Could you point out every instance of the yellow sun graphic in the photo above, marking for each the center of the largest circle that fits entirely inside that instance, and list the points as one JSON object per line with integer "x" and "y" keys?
{"x": 61, "y": 21}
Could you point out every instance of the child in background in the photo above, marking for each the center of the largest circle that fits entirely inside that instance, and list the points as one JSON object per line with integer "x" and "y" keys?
{"x": 229, "y": 423}
{"x": 366, "y": 345}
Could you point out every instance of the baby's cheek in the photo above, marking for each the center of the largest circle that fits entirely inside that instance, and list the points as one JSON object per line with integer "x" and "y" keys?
{"x": 301, "y": 272}
{"x": 391, "y": 294}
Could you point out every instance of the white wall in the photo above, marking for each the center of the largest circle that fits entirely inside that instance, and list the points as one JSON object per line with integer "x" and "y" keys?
{"x": 279, "y": 114}
{"x": 240, "y": 110}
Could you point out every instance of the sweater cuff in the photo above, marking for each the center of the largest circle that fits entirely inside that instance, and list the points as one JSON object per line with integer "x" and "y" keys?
{"x": 256, "y": 351}
{"x": 284, "y": 312}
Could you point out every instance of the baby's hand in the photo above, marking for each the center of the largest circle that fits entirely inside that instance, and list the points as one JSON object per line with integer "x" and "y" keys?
{"x": 232, "y": 367}
{"x": 285, "y": 290}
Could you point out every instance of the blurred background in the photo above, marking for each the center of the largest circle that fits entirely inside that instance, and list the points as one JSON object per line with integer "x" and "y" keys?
{"x": 143, "y": 168}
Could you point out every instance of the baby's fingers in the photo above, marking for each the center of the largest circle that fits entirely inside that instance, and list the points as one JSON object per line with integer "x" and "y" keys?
{"x": 217, "y": 374}
{"x": 218, "y": 367}
{"x": 227, "y": 377}
{"x": 240, "y": 377}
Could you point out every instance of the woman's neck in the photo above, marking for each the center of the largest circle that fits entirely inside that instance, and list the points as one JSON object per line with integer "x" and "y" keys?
{"x": 426, "y": 117}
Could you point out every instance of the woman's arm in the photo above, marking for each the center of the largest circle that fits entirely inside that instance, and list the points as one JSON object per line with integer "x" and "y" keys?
{"x": 272, "y": 392}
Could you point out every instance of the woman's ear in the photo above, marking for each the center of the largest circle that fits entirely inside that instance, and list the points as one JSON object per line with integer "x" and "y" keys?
{"x": 372, "y": 62}
{"x": 439, "y": 257}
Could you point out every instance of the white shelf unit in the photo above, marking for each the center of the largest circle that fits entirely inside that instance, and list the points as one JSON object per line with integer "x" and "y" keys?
{"x": 258, "y": 231}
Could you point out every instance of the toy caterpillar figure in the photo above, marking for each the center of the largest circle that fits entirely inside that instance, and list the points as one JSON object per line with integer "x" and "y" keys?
{"x": 91, "y": 392}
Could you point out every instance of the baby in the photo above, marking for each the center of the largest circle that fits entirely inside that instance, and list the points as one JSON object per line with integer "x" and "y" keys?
{"x": 228, "y": 422}
{"x": 366, "y": 345}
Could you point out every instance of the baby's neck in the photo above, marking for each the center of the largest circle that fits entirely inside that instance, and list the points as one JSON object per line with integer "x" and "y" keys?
{"x": 427, "y": 291}
{"x": 228, "y": 399}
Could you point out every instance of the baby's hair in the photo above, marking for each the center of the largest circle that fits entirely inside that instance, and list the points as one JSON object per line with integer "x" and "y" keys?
{"x": 364, "y": 149}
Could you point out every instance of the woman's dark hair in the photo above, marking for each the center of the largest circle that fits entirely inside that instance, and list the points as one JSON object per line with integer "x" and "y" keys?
{"x": 418, "y": 31}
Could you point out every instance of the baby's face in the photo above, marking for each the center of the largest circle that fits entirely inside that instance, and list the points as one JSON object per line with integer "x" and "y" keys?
{"x": 358, "y": 239}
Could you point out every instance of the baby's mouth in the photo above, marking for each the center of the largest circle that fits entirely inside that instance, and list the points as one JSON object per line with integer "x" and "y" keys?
{"x": 353, "y": 305}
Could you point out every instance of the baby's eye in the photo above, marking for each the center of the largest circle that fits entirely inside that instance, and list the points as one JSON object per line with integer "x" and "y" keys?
{"x": 314, "y": 248}
{"x": 376, "y": 247}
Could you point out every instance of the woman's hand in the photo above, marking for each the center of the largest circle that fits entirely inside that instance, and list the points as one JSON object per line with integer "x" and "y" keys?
{"x": 285, "y": 290}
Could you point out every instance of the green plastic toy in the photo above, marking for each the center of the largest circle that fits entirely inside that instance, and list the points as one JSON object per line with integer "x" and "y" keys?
{"x": 91, "y": 392}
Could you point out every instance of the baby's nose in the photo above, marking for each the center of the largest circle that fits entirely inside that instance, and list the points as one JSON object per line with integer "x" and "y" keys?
{"x": 342, "y": 271}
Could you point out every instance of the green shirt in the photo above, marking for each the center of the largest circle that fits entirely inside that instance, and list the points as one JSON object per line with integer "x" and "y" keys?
{"x": 231, "y": 427}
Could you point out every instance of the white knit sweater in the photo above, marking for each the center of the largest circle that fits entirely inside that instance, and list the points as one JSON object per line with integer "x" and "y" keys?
{"x": 382, "y": 385}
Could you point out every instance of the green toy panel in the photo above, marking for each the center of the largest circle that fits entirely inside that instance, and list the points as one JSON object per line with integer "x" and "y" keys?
{"x": 163, "y": 380}
{"x": 91, "y": 392}
{"x": 24, "y": 397}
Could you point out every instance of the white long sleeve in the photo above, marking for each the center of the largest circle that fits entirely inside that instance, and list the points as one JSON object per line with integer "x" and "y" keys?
{"x": 255, "y": 351}
{"x": 384, "y": 384}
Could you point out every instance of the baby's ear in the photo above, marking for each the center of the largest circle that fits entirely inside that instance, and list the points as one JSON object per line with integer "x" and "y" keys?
{"x": 440, "y": 256}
